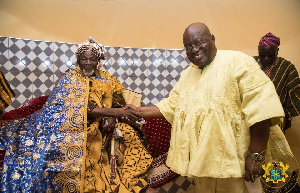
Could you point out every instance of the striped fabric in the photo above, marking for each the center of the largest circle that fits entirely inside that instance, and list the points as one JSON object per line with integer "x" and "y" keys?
{"x": 6, "y": 93}
{"x": 287, "y": 83}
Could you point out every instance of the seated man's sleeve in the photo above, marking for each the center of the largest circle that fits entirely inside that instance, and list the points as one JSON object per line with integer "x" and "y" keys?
{"x": 6, "y": 93}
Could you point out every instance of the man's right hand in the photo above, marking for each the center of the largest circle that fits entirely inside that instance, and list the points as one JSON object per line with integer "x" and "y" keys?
{"x": 130, "y": 113}
{"x": 132, "y": 107}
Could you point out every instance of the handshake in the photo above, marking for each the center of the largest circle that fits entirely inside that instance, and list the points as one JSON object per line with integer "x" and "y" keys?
{"x": 130, "y": 113}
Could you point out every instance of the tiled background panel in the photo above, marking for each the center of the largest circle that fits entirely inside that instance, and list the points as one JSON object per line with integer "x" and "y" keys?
{"x": 157, "y": 64}
{"x": 176, "y": 62}
{"x": 63, "y": 58}
{"x": 4, "y": 58}
{"x": 140, "y": 63}
{"x": 21, "y": 83}
{"x": 152, "y": 72}
{"x": 30, "y": 55}
{"x": 42, "y": 83}
{"x": 154, "y": 90}
{"x": 179, "y": 185}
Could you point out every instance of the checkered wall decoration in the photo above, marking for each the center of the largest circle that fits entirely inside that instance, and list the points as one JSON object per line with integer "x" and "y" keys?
{"x": 33, "y": 67}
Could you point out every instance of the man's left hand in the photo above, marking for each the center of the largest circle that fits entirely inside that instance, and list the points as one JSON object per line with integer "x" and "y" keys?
{"x": 109, "y": 124}
{"x": 252, "y": 169}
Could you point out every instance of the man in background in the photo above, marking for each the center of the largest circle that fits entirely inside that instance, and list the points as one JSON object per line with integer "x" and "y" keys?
{"x": 285, "y": 78}
{"x": 283, "y": 74}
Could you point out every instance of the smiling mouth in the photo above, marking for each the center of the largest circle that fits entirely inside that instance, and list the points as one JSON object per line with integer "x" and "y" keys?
{"x": 198, "y": 55}
{"x": 89, "y": 68}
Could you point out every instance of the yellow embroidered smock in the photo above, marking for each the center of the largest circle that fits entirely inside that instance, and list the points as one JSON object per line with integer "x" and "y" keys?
{"x": 211, "y": 111}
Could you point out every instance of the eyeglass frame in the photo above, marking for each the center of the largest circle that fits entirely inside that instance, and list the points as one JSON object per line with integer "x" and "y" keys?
{"x": 197, "y": 45}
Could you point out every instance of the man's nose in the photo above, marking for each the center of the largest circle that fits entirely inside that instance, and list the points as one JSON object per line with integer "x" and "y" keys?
{"x": 88, "y": 61}
{"x": 195, "y": 48}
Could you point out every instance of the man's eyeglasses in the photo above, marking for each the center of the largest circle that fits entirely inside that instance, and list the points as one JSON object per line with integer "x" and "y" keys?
{"x": 197, "y": 44}
{"x": 263, "y": 55}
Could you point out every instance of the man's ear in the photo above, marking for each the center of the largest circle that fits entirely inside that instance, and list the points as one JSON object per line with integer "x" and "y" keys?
{"x": 277, "y": 51}
{"x": 99, "y": 65}
{"x": 213, "y": 37}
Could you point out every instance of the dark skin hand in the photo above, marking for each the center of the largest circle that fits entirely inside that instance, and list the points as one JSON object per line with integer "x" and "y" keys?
{"x": 259, "y": 139}
{"x": 109, "y": 124}
{"x": 146, "y": 112}
{"x": 114, "y": 112}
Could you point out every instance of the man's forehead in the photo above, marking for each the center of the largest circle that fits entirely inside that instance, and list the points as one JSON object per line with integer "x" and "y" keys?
{"x": 88, "y": 53}
{"x": 267, "y": 48}
{"x": 192, "y": 35}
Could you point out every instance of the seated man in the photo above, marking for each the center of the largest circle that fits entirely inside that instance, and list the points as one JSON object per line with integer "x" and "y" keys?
{"x": 58, "y": 148}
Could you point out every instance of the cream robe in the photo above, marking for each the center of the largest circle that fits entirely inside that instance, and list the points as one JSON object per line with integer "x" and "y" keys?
{"x": 211, "y": 111}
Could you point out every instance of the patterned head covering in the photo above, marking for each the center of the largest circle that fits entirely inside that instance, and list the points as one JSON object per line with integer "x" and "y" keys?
{"x": 269, "y": 40}
{"x": 91, "y": 45}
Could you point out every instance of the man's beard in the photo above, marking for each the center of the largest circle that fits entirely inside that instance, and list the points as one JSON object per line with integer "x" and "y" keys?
{"x": 88, "y": 73}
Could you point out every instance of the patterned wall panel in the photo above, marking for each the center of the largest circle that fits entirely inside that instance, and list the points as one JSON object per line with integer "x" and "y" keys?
{"x": 63, "y": 58}
{"x": 4, "y": 54}
{"x": 33, "y": 67}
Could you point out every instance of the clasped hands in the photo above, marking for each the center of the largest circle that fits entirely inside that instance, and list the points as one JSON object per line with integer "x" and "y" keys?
{"x": 131, "y": 113}
{"x": 128, "y": 114}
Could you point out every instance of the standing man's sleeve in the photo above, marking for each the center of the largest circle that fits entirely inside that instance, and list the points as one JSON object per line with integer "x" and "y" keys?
{"x": 259, "y": 100}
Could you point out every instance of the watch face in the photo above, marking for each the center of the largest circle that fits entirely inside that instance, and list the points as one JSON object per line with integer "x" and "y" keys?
{"x": 257, "y": 156}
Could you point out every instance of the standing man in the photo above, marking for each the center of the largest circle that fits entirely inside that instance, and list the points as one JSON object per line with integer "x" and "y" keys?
{"x": 283, "y": 74}
{"x": 221, "y": 111}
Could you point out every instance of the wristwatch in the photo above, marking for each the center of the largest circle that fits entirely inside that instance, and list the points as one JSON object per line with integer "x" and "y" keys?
{"x": 257, "y": 156}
